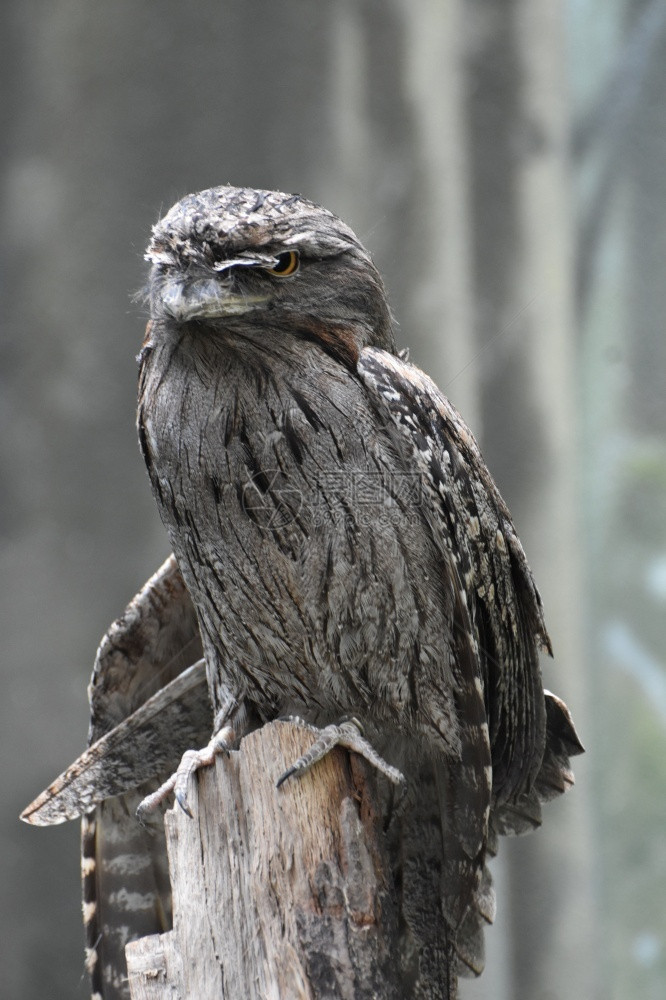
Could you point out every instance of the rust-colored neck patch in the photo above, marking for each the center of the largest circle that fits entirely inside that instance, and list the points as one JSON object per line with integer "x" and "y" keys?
{"x": 337, "y": 339}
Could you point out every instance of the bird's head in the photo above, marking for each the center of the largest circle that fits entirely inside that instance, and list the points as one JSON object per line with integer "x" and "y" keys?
{"x": 230, "y": 256}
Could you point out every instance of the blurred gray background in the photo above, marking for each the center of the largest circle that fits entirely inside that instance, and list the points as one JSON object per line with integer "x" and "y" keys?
{"x": 504, "y": 161}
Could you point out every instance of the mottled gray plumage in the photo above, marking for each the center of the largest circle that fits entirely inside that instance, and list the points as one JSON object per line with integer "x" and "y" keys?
{"x": 136, "y": 734}
{"x": 344, "y": 551}
{"x": 342, "y": 540}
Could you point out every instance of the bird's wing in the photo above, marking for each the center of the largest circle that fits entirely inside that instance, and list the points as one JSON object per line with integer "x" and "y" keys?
{"x": 126, "y": 888}
{"x": 531, "y": 731}
{"x": 149, "y": 742}
{"x": 153, "y": 641}
{"x": 474, "y": 524}
{"x": 148, "y": 703}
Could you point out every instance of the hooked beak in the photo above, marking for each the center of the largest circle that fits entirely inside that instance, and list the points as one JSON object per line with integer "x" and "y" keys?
{"x": 185, "y": 299}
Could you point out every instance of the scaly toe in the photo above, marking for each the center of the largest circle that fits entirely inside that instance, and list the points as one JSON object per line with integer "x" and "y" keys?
{"x": 347, "y": 734}
{"x": 190, "y": 763}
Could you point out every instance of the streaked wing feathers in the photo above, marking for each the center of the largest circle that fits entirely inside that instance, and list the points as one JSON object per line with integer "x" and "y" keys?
{"x": 475, "y": 525}
{"x": 149, "y": 742}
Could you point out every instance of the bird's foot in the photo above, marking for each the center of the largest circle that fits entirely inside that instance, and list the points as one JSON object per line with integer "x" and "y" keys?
{"x": 221, "y": 742}
{"x": 348, "y": 734}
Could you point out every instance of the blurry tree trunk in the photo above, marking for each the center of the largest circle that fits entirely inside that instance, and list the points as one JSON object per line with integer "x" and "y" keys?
{"x": 399, "y": 168}
{"x": 276, "y": 892}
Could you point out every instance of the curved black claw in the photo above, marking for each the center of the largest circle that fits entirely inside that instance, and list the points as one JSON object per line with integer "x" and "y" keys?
{"x": 181, "y": 799}
{"x": 287, "y": 774}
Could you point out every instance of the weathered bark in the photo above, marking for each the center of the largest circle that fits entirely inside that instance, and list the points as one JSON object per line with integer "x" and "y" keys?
{"x": 276, "y": 892}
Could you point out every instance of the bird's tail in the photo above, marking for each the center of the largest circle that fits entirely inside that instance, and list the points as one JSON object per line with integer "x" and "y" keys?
{"x": 126, "y": 887}
{"x": 521, "y": 815}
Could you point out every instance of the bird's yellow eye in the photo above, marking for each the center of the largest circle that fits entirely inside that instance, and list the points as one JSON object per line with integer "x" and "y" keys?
{"x": 285, "y": 264}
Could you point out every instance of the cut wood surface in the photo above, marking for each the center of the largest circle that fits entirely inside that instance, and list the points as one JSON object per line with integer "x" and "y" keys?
{"x": 277, "y": 893}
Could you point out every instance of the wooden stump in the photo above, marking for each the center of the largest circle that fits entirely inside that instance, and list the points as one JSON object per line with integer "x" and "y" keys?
{"x": 278, "y": 894}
